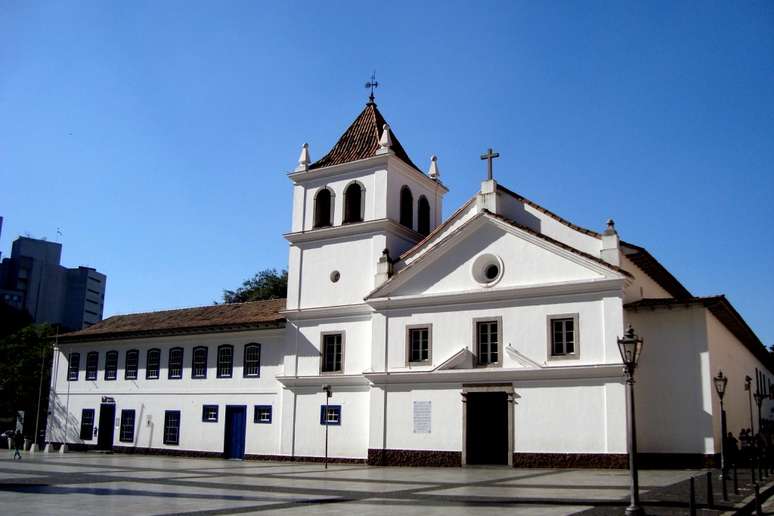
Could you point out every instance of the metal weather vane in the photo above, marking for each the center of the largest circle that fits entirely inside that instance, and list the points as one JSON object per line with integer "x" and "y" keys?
{"x": 372, "y": 84}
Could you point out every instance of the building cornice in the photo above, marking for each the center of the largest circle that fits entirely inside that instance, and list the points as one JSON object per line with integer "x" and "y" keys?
{"x": 334, "y": 380}
{"x": 328, "y": 312}
{"x": 357, "y": 228}
{"x": 479, "y": 375}
{"x": 612, "y": 286}
{"x": 171, "y": 332}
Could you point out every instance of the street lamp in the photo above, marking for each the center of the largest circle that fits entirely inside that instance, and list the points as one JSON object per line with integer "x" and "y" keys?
{"x": 630, "y": 347}
{"x": 328, "y": 394}
{"x": 720, "y": 382}
{"x": 748, "y": 388}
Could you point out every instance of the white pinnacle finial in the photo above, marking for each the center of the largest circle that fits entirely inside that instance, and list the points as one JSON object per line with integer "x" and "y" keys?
{"x": 303, "y": 159}
{"x": 385, "y": 142}
{"x": 434, "y": 173}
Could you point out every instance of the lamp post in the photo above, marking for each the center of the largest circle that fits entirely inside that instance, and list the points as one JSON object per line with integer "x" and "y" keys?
{"x": 328, "y": 394}
{"x": 720, "y": 382}
{"x": 630, "y": 347}
{"x": 748, "y": 388}
{"x": 759, "y": 397}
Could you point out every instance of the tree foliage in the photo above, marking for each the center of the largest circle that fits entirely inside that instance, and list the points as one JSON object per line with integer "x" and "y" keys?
{"x": 267, "y": 284}
{"x": 23, "y": 353}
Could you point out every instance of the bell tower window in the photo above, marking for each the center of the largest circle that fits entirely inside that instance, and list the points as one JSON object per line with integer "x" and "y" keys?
{"x": 406, "y": 207}
{"x": 353, "y": 203}
{"x": 323, "y": 209}
{"x": 423, "y": 216}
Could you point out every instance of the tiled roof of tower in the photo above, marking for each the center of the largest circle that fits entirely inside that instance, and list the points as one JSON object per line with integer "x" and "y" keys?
{"x": 361, "y": 141}
{"x": 202, "y": 319}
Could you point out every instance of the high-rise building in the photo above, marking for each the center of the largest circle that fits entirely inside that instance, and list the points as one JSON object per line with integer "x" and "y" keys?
{"x": 33, "y": 279}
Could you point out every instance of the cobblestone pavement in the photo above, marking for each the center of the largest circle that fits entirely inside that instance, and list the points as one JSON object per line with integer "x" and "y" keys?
{"x": 91, "y": 483}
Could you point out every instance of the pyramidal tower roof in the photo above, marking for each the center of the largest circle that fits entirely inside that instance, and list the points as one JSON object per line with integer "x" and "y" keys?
{"x": 361, "y": 141}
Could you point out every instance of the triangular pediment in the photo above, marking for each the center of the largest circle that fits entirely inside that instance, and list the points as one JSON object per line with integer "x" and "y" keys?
{"x": 524, "y": 259}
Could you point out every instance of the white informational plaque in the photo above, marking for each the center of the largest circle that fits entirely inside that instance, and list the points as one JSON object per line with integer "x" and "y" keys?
{"x": 423, "y": 412}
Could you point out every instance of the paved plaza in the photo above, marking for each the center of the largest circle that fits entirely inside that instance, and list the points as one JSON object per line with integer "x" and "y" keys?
{"x": 92, "y": 483}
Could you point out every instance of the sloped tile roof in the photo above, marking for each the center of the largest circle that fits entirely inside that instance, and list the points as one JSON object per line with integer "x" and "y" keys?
{"x": 361, "y": 141}
{"x": 254, "y": 314}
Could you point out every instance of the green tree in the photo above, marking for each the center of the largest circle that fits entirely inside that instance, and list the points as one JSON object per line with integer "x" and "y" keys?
{"x": 26, "y": 356}
{"x": 267, "y": 284}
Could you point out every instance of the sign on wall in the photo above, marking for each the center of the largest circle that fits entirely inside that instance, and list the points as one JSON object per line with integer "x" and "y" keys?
{"x": 423, "y": 412}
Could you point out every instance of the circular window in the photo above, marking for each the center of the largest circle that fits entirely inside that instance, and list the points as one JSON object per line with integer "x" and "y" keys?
{"x": 335, "y": 275}
{"x": 487, "y": 269}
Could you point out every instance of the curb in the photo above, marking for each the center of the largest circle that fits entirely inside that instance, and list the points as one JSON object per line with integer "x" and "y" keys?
{"x": 747, "y": 505}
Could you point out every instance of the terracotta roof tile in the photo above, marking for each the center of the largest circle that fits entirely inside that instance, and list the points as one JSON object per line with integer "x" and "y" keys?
{"x": 361, "y": 141}
{"x": 184, "y": 320}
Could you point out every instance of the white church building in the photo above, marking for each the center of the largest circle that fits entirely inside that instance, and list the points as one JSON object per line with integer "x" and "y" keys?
{"x": 486, "y": 338}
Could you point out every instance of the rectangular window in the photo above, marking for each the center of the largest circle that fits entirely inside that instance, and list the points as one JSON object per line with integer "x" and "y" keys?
{"x": 111, "y": 365}
{"x": 153, "y": 364}
{"x": 419, "y": 344}
{"x": 199, "y": 363}
{"x": 262, "y": 414}
{"x": 126, "y": 435}
{"x": 210, "y": 413}
{"x": 252, "y": 362}
{"x": 331, "y": 352}
{"x": 563, "y": 335}
{"x": 87, "y": 424}
{"x": 132, "y": 362}
{"x": 73, "y": 367}
{"x": 172, "y": 427}
{"x": 487, "y": 342}
{"x": 92, "y": 363}
{"x": 330, "y": 415}
{"x": 175, "y": 367}
{"x": 225, "y": 361}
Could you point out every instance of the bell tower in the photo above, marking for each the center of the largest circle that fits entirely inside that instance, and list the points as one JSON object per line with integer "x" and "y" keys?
{"x": 362, "y": 197}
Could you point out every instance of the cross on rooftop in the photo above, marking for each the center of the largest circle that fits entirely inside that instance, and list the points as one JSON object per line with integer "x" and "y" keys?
{"x": 372, "y": 84}
{"x": 489, "y": 156}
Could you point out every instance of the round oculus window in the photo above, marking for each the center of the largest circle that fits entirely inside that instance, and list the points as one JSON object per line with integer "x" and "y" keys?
{"x": 335, "y": 275}
{"x": 487, "y": 269}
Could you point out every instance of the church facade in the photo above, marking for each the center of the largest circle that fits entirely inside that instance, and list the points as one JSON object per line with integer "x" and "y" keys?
{"x": 405, "y": 339}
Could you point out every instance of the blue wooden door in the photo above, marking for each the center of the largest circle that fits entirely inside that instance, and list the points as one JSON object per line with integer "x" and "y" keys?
{"x": 234, "y": 439}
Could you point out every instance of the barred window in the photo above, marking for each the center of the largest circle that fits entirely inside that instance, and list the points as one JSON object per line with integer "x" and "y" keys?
{"x": 331, "y": 352}
{"x": 175, "y": 367}
{"x": 419, "y": 344}
{"x": 153, "y": 364}
{"x": 199, "y": 362}
{"x": 73, "y": 366}
{"x": 252, "y": 361}
{"x": 225, "y": 361}
{"x": 92, "y": 363}
{"x": 87, "y": 424}
{"x": 111, "y": 365}
{"x": 132, "y": 362}
{"x": 487, "y": 342}
{"x": 563, "y": 336}
{"x": 126, "y": 434}
{"x": 172, "y": 427}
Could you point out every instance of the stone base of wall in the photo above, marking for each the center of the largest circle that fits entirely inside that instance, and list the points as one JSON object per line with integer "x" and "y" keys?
{"x": 414, "y": 458}
{"x": 571, "y": 460}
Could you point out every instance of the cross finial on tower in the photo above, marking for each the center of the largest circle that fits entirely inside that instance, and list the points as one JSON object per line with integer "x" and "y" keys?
{"x": 489, "y": 156}
{"x": 372, "y": 84}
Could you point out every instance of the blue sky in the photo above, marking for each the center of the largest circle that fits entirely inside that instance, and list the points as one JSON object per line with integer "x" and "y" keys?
{"x": 158, "y": 135}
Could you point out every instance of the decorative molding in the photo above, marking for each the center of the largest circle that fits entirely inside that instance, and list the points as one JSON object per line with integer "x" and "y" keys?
{"x": 466, "y": 297}
{"x": 596, "y": 371}
{"x": 328, "y": 312}
{"x": 353, "y": 228}
{"x": 325, "y": 379}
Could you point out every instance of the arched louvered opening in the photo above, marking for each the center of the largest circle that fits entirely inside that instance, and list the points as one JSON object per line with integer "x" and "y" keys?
{"x": 423, "y": 215}
{"x": 406, "y": 207}
{"x": 353, "y": 203}
{"x": 323, "y": 212}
